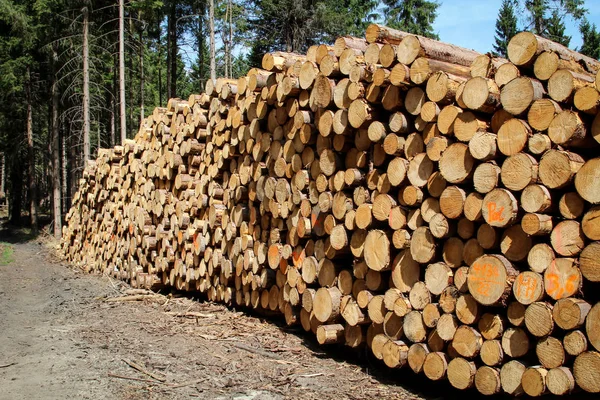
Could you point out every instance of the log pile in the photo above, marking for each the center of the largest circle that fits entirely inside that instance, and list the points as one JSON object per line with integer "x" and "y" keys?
{"x": 432, "y": 203}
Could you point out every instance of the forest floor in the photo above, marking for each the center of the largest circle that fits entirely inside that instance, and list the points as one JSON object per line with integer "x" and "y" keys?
{"x": 61, "y": 336}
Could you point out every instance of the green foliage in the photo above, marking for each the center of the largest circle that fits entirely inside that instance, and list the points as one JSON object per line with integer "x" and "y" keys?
{"x": 537, "y": 9}
{"x": 6, "y": 253}
{"x": 288, "y": 25}
{"x": 414, "y": 16}
{"x": 506, "y": 27}
{"x": 555, "y": 29}
{"x": 294, "y": 25}
{"x": 16, "y": 41}
{"x": 591, "y": 39}
{"x": 346, "y": 17}
{"x": 546, "y": 17}
{"x": 574, "y": 7}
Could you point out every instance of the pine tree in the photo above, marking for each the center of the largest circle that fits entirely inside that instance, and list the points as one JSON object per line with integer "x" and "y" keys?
{"x": 345, "y": 17}
{"x": 546, "y": 17}
{"x": 506, "y": 27}
{"x": 414, "y": 16}
{"x": 555, "y": 29}
{"x": 537, "y": 10}
{"x": 293, "y": 25}
{"x": 591, "y": 39}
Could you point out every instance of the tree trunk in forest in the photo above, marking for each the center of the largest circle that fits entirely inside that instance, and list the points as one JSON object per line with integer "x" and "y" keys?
{"x": 55, "y": 152}
{"x": 141, "y": 72}
{"x": 211, "y": 16}
{"x": 159, "y": 42}
{"x": 122, "y": 70}
{"x": 16, "y": 190}
{"x": 200, "y": 39}
{"x": 169, "y": 44}
{"x": 33, "y": 212}
{"x": 226, "y": 44}
{"x": 130, "y": 124}
{"x": 172, "y": 55}
{"x": 3, "y": 177}
{"x": 111, "y": 112}
{"x": 230, "y": 39}
{"x": 86, "y": 87}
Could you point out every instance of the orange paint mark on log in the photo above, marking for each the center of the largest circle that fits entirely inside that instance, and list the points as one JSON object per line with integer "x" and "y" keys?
{"x": 553, "y": 285}
{"x": 494, "y": 213}
{"x": 559, "y": 286}
{"x": 485, "y": 276}
{"x": 556, "y": 289}
{"x": 526, "y": 287}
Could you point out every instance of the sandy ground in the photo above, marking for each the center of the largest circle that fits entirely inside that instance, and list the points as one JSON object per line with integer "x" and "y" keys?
{"x": 61, "y": 337}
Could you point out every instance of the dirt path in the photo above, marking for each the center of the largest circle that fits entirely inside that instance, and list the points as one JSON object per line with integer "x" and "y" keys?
{"x": 60, "y": 338}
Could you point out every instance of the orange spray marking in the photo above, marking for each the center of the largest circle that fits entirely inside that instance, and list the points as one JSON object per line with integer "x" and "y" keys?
{"x": 494, "y": 213}
{"x": 486, "y": 276}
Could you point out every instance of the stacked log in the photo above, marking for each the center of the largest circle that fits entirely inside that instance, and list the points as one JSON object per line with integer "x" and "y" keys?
{"x": 434, "y": 204}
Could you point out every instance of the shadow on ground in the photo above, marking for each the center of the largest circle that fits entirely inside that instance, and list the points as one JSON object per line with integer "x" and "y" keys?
{"x": 22, "y": 232}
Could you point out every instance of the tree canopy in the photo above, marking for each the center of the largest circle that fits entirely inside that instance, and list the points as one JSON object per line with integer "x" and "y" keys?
{"x": 414, "y": 16}
{"x": 506, "y": 27}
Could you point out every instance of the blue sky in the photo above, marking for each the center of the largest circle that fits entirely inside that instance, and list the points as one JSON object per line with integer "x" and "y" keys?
{"x": 471, "y": 23}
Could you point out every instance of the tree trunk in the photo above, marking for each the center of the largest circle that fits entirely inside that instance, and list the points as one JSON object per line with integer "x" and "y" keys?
{"x": 230, "y": 39}
{"x": 226, "y": 43}
{"x": 141, "y": 73}
{"x": 33, "y": 212}
{"x": 159, "y": 41}
{"x": 200, "y": 39}
{"x": 111, "y": 112}
{"x": 122, "y": 70}
{"x": 55, "y": 151}
{"x": 172, "y": 56}
{"x": 211, "y": 16}
{"x": 16, "y": 193}
{"x": 130, "y": 124}
{"x": 170, "y": 22}
{"x": 86, "y": 87}
{"x": 2, "y": 177}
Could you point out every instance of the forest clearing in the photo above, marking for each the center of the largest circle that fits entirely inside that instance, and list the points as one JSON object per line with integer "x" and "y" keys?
{"x": 400, "y": 206}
